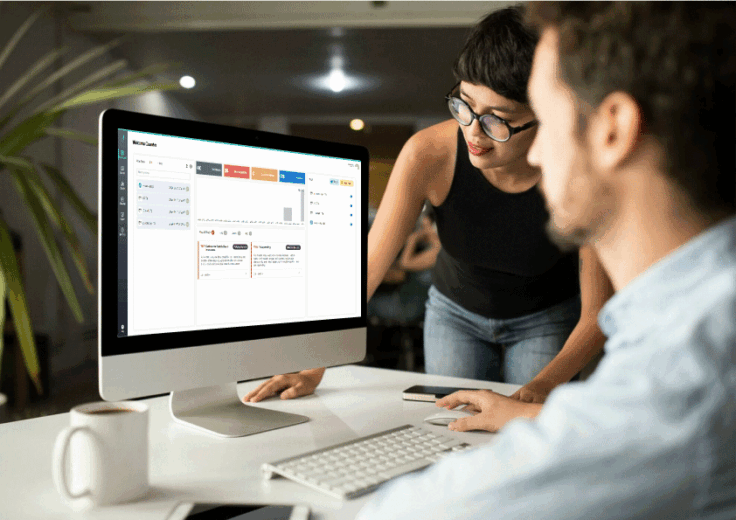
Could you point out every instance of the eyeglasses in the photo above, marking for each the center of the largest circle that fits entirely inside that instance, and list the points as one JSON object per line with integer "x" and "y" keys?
{"x": 494, "y": 127}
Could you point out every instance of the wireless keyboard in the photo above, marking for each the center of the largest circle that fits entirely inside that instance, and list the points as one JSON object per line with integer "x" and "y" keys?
{"x": 354, "y": 468}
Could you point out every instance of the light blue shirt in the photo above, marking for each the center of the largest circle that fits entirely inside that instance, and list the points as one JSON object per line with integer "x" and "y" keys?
{"x": 651, "y": 435}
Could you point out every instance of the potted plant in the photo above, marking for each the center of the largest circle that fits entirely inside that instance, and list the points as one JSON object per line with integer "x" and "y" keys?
{"x": 23, "y": 121}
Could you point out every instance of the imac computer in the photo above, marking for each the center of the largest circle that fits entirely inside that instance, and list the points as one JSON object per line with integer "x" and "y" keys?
{"x": 225, "y": 255}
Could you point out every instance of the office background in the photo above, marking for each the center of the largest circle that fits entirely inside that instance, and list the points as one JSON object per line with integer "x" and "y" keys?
{"x": 263, "y": 65}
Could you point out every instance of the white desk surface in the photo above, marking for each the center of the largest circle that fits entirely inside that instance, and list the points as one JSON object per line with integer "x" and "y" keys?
{"x": 185, "y": 465}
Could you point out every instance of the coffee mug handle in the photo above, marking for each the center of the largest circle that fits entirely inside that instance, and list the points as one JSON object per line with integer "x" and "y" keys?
{"x": 60, "y": 454}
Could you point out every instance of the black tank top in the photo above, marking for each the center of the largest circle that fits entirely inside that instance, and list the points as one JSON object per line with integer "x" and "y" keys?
{"x": 496, "y": 259}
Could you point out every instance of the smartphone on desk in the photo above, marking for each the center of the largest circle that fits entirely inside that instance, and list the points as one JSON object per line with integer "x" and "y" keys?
{"x": 430, "y": 393}
{"x": 213, "y": 511}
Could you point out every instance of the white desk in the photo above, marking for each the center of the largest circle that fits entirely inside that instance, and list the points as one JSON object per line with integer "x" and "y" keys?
{"x": 186, "y": 465}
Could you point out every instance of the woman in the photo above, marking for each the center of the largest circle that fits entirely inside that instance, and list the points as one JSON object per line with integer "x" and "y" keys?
{"x": 505, "y": 304}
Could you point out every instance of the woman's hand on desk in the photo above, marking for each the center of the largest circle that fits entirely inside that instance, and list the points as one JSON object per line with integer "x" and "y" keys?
{"x": 492, "y": 410}
{"x": 290, "y": 385}
{"x": 534, "y": 391}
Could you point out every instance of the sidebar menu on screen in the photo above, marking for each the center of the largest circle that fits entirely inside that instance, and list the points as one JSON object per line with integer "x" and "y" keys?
{"x": 122, "y": 224}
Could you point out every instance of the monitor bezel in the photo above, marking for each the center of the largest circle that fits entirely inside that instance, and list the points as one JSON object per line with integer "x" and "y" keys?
{"x": 113, "y": 119}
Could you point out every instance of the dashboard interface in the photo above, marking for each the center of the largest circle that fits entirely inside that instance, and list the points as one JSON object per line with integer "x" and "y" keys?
{"x": 214, "y": 235}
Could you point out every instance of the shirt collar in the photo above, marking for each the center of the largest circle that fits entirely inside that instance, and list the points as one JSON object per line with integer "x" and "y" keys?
{"x": 666, "y": 282}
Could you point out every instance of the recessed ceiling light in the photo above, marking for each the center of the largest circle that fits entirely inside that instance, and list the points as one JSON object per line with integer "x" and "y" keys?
{"x": 187, "y": 82}
{"x": 352, "y": 82}
{"x": 357, "y": 125}
{"x": 337, "y": 80}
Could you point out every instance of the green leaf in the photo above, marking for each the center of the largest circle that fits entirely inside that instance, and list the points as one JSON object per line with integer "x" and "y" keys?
{"x": 89, "y": 218}
{"x": 30, "y": 74}
{"x": 46, "y": 237}
{"x": 68, "y": 133}
{"x": 59, "y": 74}
{"x": 80, "y": 86}
{"x": 71, "y": 66}
{"x": 19, "y": 34}
{"x": 26, "y": 132}
{"x": 98, "y": 95}
{"x": 18, "y": 306}
{"x": 54, "y": 213}
{"x": 10, "y": 115}
{"x": 15, "y": 161}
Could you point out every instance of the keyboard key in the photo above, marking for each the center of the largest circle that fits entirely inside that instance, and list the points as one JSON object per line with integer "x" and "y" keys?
{"x": 450, "y": 444}
{"x": 405, "y": 468}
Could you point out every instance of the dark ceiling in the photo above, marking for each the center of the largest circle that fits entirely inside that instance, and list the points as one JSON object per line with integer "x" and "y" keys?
{"x": 246, "y": 74}
{"x": 253, "y": 59}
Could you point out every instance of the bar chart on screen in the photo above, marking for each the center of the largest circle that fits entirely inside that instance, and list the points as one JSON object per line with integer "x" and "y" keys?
{"x": 251, "y": 203}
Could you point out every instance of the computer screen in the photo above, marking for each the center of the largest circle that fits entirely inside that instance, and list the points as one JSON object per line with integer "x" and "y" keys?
{"x": 226, "y": 236}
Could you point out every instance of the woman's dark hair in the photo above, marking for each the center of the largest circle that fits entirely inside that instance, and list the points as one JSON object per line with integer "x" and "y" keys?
{"x": 677, "y": 60}
{"x": 498, "y": 54}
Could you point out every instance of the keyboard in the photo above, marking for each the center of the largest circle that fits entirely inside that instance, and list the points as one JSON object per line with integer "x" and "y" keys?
{"x": 357, "y": 467}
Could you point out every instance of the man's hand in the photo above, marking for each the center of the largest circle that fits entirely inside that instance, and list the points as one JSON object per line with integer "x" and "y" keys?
{"x": 534, "y": 391}
{"x": 290, "y": 385}
{"x": 493, "y": 410}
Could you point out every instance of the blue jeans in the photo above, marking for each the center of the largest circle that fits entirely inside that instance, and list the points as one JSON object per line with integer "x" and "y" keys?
{"x": 460, "y": 343}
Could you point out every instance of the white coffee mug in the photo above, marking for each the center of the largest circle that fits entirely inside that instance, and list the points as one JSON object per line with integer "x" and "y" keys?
{"x": 107, "y": 450}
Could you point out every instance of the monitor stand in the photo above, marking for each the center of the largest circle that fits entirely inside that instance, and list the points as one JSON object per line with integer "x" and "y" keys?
{"x": 218, "y": 410}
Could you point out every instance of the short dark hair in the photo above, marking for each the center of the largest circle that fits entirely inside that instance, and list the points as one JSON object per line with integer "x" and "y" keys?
{"x": 676, "y": 59}
{"x": 498, "y": 54}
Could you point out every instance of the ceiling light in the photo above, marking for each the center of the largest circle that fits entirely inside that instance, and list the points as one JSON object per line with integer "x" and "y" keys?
{"x": 352, "y": 82}
{"x": 337, "y": 80}
{"x": 187, "y": 82}
{"x": 357, "y": 125}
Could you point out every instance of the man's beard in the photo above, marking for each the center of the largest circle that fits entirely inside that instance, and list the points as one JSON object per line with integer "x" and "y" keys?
{"x": 591, "y": 217}
{"x": 566, "y": 241}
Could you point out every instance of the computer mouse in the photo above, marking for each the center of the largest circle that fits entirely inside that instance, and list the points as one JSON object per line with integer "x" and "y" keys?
{"x": 445, "y": 417}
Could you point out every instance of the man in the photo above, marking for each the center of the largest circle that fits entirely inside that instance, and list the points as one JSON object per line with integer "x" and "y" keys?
{"x": 636, "y": 144}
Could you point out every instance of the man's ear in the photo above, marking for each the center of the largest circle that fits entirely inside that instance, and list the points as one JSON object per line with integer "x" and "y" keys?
{"x": 614, "y": 131}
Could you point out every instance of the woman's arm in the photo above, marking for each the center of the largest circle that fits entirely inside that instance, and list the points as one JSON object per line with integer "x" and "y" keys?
{"x": 586, "y": 339}
{"x": 412, "y": 261}
{"x": 400, "y": 207}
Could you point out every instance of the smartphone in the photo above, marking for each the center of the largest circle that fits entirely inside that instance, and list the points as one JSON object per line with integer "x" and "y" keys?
{"x": 213, "y": 511}
{"x": 430, "y": 393}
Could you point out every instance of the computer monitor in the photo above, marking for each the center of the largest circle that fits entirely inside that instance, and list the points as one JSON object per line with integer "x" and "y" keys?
{"x": 238, "y": 254}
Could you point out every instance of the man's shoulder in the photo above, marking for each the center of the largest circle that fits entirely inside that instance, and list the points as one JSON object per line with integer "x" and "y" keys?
{"x": 693, "y": 325}
{"x": 712, "y": 307}
{"x": 676, "y": 350}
